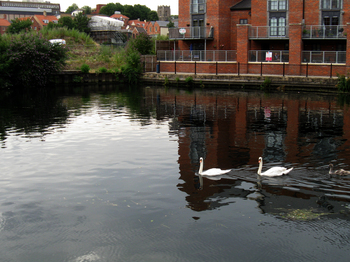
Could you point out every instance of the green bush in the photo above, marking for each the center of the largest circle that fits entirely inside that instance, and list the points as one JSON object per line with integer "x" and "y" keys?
{"x": 132, "y": 69}
{"x": 29, "y": 60}
{"x": 343, "y": 84}
{"x": 103, "y": 70}
{"x": 85, "y": 68}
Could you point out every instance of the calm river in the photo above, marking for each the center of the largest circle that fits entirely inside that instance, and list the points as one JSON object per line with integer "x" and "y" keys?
{"x": 109, "y": 174}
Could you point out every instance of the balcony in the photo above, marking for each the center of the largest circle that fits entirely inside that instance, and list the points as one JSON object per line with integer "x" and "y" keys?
{"x": 268, "y": 32}
{"x": 324, "y": 57}
{"x": 324, "y": 32}
{"x": 190, "y": 33}
{"x": 277, "y": 56}
{"x": 197, "y": 55}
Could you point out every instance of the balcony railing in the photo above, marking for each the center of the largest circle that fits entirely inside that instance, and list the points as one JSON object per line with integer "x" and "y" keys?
{"x": 195, "y": 32}
{"x": 268, "y": 32}
{"x": 324, "y": 32}
{"x": 197, "y": 55}
{"x": 324, "y": 57}
{"x": 198, "y": 8}
{"x": 263, "y": 56}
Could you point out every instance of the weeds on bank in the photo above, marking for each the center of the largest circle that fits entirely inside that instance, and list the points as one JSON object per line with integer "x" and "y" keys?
{"x": 343, "y": 84}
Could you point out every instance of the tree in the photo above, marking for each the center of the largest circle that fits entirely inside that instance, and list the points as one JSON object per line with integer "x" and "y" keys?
{"x": 66, "y": 21}
{"x": 19, "y": 26}
{"x": 109, "y": 9}
{"x": 170, "y": 24}
{"x": 87, "y": 9}
{"x": 30, "y": 60}
{"x": 81, "y": 23}
{"x": 152, "y": 16}
{"x": 142, "y": 43}
{"x": 72, "y": 8}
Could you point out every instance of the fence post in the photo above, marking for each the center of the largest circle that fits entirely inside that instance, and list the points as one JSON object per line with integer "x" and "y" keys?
{"x": 261, "y": 69}
{"x": 238, "y": 68}
{"x": 175, "y": 67}
{"x": 331, "y": 70}
{"x": 195, "y": 67}
{"x": 216, "y": 67}
{"x": 307, "y": 69}
{"x": 283, "y": 68}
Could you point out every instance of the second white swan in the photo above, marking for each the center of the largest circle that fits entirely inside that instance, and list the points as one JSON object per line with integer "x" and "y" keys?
{"x": 273, "y": 171}
{"x": 212, "y": 171}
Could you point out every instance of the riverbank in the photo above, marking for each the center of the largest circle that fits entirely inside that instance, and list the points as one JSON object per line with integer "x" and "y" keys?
{"x": 287, "y": 83}
{"x": 293, "y": 83}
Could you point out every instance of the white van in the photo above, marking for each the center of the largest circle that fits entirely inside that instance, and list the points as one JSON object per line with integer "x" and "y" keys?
{"x": 58, "y": 41}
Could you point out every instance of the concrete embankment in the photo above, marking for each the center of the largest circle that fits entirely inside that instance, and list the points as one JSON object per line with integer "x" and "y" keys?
{"x": 295, "y": 83}
{"x": 286, "y": 83}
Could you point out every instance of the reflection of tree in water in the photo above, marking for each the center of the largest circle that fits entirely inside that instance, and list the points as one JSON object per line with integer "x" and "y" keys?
{"x": 31, "y": 113}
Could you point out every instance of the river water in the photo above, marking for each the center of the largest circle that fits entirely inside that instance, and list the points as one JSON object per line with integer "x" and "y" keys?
{"x": 110, "y": 174}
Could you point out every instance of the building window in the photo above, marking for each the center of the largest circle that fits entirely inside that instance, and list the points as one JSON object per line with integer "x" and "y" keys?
{"x": 277, "y": 24}
{"x": 277, "y": 5}
{"x": 243, "y": 21}
{"x": 331, "y": 4}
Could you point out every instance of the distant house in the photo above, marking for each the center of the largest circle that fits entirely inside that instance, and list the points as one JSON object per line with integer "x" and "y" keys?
{"x": 136, "y": 23}
{"x": 39, "y": 21}
{"x": 76, "y": 12}
{"x": 3, "y": 25}
{"x": 137, "y": 31}
{"x": 155, "y": 28}
{"x": 117, "y": 15}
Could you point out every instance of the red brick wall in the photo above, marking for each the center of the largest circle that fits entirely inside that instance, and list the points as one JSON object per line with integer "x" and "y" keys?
{"x": 252, "y": 68}
{"x": 235, "y": 18}
{"x": 259, "y": 13}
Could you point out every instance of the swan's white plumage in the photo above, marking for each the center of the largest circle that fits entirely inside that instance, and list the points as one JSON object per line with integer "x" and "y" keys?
{"x": 212, "y": 171}
{"x": 273, "y": 171}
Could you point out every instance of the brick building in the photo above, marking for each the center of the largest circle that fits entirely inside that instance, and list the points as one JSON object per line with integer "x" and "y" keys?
{"x": 275, "y": 31}
{"x": 10, "y": 10}
{"x": 4, "y": 24}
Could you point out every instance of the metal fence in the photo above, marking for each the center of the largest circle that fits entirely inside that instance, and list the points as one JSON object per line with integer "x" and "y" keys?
{"x": 197, "y": 55}
{"x": 324, "y": 32}
{"x": 324, "y": 57}
{"x": 268, "y": 56}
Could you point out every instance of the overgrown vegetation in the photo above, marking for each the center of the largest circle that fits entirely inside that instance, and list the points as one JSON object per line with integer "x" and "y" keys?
{"x": 266, "y": 85}
{"x": 343, "y": 84}
{"x": 29, "y": 59}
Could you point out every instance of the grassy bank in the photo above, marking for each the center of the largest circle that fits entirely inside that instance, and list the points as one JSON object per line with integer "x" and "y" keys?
{"x": 82, "y": 49}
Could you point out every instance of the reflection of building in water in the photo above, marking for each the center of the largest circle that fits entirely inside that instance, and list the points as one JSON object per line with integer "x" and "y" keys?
{"x": 233, "y": 129}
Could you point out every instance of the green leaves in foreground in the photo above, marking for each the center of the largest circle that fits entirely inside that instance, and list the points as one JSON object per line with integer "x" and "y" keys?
{"x": 28, "y": 60}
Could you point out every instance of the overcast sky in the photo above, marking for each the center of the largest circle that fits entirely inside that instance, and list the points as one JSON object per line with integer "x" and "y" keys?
{"x": 152, "y": 4}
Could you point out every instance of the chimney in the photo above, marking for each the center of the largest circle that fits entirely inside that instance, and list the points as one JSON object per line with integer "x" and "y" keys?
{"x": 44, "y": 13}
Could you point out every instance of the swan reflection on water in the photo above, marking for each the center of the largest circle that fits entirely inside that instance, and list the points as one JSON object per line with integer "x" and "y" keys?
{"x": 305, "y": 194}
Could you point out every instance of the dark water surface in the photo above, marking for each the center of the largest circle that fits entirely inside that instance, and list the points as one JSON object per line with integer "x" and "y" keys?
{"x": 110, "y": 175}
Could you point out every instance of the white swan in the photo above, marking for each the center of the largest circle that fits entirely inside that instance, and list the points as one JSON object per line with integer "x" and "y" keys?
{"x": 273, "y": 171}
{"x": 340, "y": 172}
{"x": 212, "y": 171}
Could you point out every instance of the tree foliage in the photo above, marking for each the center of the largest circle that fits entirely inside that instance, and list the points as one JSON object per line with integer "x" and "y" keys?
{"x": 142, "y": 43}
{"x": 109, "y": 9}
{"x": 137, "y": 11}
{"x": 72, "y": 8}
{"x": 66, "y": 21}
{"x": 18, "y": 25}
{"x": 29, "y": 60}
{"x": 81, "y": 22}
{"x": 87, "y": 9}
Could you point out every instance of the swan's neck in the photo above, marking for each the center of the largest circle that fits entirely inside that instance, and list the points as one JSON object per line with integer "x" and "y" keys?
{"x": 331, "y": 170}
{"x": 260, "y": 167}
{"x": 200, "y": 167}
